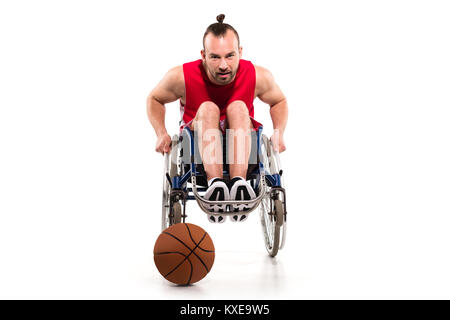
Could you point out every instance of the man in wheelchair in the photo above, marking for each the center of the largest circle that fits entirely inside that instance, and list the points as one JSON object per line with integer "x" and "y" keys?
{"x": 216, "y": 95}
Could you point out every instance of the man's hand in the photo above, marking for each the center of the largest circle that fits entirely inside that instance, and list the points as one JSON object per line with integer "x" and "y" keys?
{"x": 163, "y": 143}
{"x": 278, "y": 142}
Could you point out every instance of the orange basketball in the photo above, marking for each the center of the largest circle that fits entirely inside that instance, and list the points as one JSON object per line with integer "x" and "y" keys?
{"x": 184, "y": 253}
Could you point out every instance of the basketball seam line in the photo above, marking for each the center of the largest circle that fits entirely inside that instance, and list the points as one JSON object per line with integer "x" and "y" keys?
{"x": 187, "y": 257}
{"x": 192, "y": 250}
{"x": 198, "y": 245}
{"x": 169, "y": 252}
{"x": 190, "y": 235}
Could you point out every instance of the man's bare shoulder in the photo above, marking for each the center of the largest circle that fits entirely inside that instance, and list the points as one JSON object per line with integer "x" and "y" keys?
{"x": 264, "y": 80}
{"x": 176, "y": 77}
{"x": 266, "y": 89}
{"x": 171, "y": 87}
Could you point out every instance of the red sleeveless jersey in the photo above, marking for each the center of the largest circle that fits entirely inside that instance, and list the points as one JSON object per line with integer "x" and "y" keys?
{"x": 199, "y": 89}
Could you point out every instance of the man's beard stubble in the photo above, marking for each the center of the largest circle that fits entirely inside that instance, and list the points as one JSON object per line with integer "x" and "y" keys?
{"x": 217, "y": 77}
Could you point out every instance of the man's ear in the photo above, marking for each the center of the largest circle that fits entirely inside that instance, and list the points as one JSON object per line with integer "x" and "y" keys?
{"x": 240, "y": 52}
{"x": 202, "y": 53}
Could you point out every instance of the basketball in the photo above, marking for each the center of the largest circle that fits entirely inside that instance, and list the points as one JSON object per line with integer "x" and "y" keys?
{"x": 184, "y": 253}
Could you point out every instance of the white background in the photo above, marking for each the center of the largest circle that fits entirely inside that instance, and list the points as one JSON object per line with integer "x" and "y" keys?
{"x": 367, "y": 160}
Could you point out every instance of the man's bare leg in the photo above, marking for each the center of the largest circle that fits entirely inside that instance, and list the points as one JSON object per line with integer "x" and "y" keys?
{"x": 239, "y": 150}
{"x": 238, "y": 120}
{"x": 206, "y": 125}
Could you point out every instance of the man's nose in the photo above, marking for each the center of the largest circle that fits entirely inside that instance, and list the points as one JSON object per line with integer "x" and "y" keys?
{"x": 223, "y": 64}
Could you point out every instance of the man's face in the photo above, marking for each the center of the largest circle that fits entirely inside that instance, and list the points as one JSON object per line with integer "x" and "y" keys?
{"x": 221, "y": 57}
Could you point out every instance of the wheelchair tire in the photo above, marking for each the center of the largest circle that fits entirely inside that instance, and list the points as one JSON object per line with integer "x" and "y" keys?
{"x": 170, "y": 169}
{"x": 272, "y": 211}
{"x": 271, "y": 225}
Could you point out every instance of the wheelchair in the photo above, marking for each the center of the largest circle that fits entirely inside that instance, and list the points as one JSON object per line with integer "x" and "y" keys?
{"x": 185, "y": 180}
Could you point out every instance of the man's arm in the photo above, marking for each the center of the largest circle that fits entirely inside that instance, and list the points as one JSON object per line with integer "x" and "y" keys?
{"x": 169, "y": 89}
{"x": 268, "y": 91}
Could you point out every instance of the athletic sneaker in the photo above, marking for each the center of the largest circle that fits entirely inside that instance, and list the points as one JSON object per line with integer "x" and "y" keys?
{"x": 217, "y": 191}
{"x": 241, "y": 190}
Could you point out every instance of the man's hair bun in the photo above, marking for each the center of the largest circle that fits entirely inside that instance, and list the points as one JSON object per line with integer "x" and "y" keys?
{"x": 220, "y": 18}
{"x": 219, "y": 29}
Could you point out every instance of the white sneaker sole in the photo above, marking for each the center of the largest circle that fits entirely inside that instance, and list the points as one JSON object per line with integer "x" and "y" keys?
{"x": 218, "y": 207}
{"x": 240, "y": 215}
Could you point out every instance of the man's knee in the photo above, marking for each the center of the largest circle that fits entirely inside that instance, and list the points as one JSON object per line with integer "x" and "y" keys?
{"x": 208, "y": 110}
{"x": 208, "y": 113}
{"x": 237, "y": 109}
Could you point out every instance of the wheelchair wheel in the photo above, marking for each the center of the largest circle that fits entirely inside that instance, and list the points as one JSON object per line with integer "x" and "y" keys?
{"x": 171, "y": 210}
{"x": 272, "y": 211}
